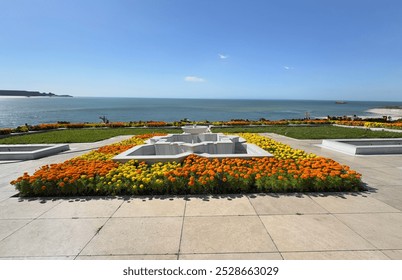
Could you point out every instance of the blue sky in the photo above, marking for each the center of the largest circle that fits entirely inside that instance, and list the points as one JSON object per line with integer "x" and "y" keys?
{"x": 348, "y": 50}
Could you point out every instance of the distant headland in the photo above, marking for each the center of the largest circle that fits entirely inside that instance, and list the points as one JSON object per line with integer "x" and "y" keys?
{"x": 29, "y": 93}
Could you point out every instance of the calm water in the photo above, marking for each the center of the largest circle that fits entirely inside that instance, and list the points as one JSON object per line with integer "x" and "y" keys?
{"x": 18, "y": 111}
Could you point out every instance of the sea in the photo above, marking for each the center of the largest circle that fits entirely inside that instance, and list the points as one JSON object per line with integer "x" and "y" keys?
{"x": 16, "y": 111}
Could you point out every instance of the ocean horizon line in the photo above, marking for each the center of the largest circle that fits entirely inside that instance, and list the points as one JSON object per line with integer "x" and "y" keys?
{"x": 208, "y": 98}
{"x": 237, "y": 98}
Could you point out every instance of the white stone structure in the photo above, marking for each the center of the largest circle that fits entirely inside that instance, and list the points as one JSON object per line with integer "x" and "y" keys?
{"x": 29, "y": 152}
{"x": 365, "y": 146}
{"x": 195, "y": 140}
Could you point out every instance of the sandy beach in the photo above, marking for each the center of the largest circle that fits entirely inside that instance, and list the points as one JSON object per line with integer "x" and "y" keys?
{"x": 394, "y": 113}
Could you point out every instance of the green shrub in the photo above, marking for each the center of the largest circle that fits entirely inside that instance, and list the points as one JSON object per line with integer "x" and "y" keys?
{"x": 5, "y": 131}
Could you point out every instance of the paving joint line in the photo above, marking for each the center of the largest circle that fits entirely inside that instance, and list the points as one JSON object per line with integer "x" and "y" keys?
{"x": 182, "y": 228}
{"x": 30, "y": 221}
{"x": 34, "y": 257}
{"x": 236, "y": 252}
{"x": 329, "y": 212}
{"x": 266, "y": 230}
{"x": 146, "y": 217}
{"x": 335, "y": 250}
{"x": 98, "y": 230}
{"x": 354, "y": 231}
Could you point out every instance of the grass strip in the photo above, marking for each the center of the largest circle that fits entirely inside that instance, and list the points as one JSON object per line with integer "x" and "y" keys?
{"x": 98, "y": 134}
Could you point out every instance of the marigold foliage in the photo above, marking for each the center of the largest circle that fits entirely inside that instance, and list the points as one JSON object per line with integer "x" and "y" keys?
{"x": 371, "y": 124}
{"x": 95, "y": 173}
{"x": 279, "y": 150}
{"x": 5, "y": 131}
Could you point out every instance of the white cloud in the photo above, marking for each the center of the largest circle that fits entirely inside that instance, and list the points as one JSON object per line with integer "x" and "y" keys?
{"x": 288, "y": 67}
{"x": 222, "y": 56}
{"x": 194, "y": 79}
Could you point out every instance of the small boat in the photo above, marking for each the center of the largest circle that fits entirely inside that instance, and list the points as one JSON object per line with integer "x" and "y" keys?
{"x": 340, "y": 102}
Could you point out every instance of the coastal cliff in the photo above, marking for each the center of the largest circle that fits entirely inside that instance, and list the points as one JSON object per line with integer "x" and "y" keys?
{"x": 29, "y": 93}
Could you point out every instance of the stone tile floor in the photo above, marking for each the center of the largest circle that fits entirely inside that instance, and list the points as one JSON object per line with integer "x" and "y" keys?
{"x": 366, "y": 225}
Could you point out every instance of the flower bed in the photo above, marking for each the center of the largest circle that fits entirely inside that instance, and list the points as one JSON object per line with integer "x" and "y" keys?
{"x": 5, "y": 131}
{"x": 279, "y": 150}
{"x": 45, "y": 126}
{"x": 371, "y": 124}
{"x": 392, "y": 125}
{"x": 63, "y": 124}
{"x": 272, "y": 123}
{"x": 156, "y": 124}
{"x": 95, "y": 173}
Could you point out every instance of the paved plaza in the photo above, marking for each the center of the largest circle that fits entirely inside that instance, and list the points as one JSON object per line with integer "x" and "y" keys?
{"x": 366, "y": 225}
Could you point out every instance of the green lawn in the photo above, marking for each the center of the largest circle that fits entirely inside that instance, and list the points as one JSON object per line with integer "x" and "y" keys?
{"x": 79, "y": 135}
{"x": 92, "y": 135}
{"x": 315, "y": 132}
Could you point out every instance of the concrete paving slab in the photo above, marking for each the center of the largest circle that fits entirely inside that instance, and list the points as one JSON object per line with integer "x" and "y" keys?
{"x": 382, "y": 174}
{"x": 376, "y": 162}
{"x": 9, "y": 170}
{"x": 39, "y": 258}
{"x": 385, "y": 171}
{"x": 7, "y": 227}
{"x": 219, "y": 206}
{"x": 351, "y": 203}
{"x": 270, "y": 204}
{"x": 381, "y": 181}
{"x": 312, "y": 233}
{"x": 225, "y": 234}
{"x": 133, "y": 236}
{"x": 4, "y": 195}
{"x": 383, "y": 230}
{"x": 15, "y": 208}
{"x": 336, "y": 255}
{"x": 152, "y": 207}
{"x": 50, "y": 238}
{"x": 391, "y": 195}
{"x": 373, "y": 181}
{"x": 242, "y": 256}
{"x": 90, "y": 207}
{"x": 393, "y": 254}
{"x": 128, "y": 257}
